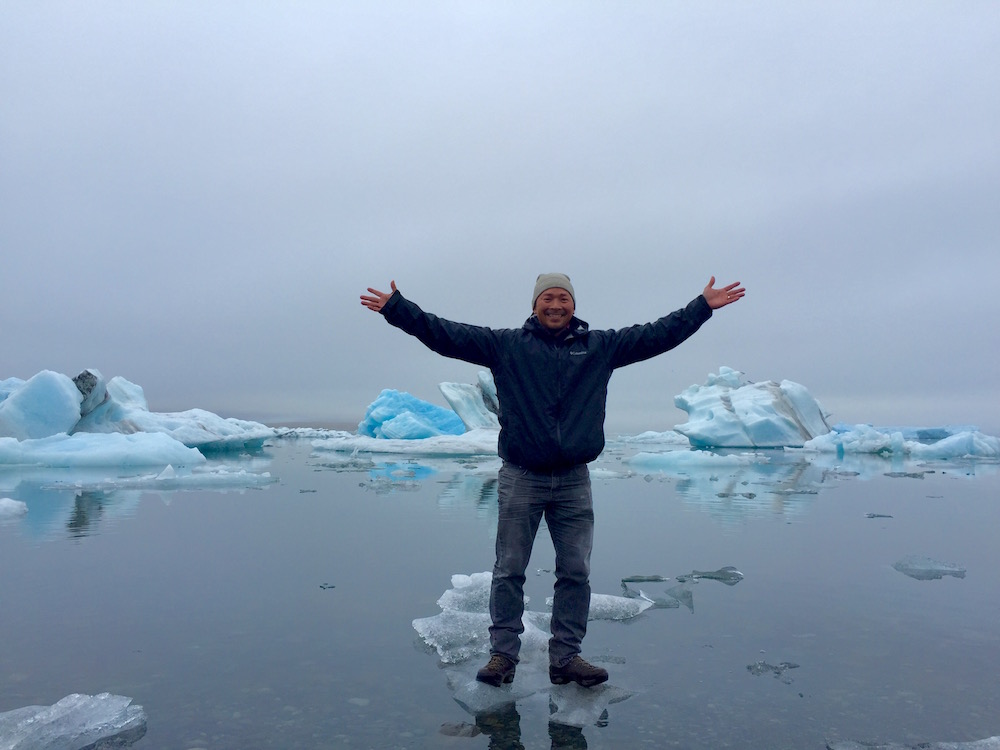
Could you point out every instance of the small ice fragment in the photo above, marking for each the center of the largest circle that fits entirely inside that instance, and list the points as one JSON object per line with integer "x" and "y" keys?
{"x": 727, "y": 575}
{"x": 609, "y": 607}
{"x": 580, "y": 707}
{"x": 11, "y": 508}
{"x": 168, "y": 473}
{"x": 926, "y": 569}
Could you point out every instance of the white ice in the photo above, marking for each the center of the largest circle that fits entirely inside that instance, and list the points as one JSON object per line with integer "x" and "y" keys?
{"x": 55, "y": 421}
{"x": 125, "y": 410}
{"x": 11, "y": 508}
{"x": 82, "y": 450}
{"x": 460, "y": 634}
{"x": 990, "y": 743}
{"x": 472, "y": 443}
{"x": 866, "y": 439}
{"x": 731, "y": 412}
{"x": 77, "y": 722}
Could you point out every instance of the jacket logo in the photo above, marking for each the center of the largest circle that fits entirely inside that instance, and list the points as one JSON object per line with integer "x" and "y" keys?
{"x": 578, "y": 354}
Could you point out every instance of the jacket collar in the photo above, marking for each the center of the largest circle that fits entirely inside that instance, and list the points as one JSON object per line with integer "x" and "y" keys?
{"x": 576, "y": 329}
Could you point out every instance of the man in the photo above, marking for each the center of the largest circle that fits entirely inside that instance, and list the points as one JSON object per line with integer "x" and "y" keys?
{"x": 552, "y": 382}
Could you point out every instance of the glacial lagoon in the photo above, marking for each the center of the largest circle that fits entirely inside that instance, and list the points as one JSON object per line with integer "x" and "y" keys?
{"x": 279, "y": 611}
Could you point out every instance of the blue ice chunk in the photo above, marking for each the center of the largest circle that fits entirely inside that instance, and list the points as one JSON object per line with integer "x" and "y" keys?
{"x": 399, "y": 415}
{"x": 46, "y": 404}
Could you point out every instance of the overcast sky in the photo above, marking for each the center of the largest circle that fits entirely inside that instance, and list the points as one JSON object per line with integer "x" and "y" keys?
{"x": 193, "y": 195}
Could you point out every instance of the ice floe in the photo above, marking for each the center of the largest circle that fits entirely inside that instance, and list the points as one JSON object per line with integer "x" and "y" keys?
{"x": 77, "y": 722}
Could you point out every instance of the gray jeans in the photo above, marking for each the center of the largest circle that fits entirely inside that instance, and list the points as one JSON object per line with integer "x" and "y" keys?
{"x": 565, "y": 499}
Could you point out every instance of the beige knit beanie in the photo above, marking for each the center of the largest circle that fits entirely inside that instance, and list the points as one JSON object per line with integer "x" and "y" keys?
{"x": 550, "y": 281}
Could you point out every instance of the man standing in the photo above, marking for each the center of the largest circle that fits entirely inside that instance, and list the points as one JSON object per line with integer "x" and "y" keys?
{"x": 552, "y": 383}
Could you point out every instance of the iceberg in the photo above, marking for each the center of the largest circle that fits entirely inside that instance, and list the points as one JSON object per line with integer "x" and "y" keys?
{"x": 401, "y": 416}
{"x": 474, "y": 443}
{"x": 732, "y": 412}
{"x": 46, "y": 404}
{"x": 77, "y": 722}
{"x": 886, "y": 442}
{"x": 467, "y": 401}
{"x": 125, "y": 410}
{"x": 56, "y": 421}
{"x": 82, "y": 450}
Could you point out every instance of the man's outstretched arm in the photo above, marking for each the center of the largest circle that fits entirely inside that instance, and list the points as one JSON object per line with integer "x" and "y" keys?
{"x": 476, "y": 344}
{"x": 376, "y": 301}
{"x": 720, "y": 297}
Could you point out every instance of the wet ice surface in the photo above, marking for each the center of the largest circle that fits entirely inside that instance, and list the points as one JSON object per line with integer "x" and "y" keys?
{"x": 281, "y": 614}
{"x": 76, "y": 722}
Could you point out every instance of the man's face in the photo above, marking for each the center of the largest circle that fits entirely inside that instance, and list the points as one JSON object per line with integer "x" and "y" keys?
{"x": 554, "y": 308}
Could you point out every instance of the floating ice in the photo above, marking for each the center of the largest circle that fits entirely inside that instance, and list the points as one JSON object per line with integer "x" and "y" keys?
{"x": 658, "y": 602}
{"x": 461, "y": 630}
{"x": 682, "y": 461}
{"x": 42, "y": 412}
{"x": 990, "y": 743}
{"x": 926, "y": 569}
{"x": 46, "y": 404}
{"x": 197, "y": 478}
{"x": 77, "y": 722}
{"x": 731, "y": 412}
{"x": 398, "y": 415}
{"x": 866, "y": 439}
{"x": 727, "y": 575}
{"x": 87, "y": 450}
{"x": 468, "y": 593}
{"x": 473, "y": 443}
{"x": 580, "y": 707}
{"x": 670, "y": 437}
{"x": 467, "y": 401}
{"x": 11, "y": 508}
{"x": 610, "y": 607}
{"x": 125, "y": 410}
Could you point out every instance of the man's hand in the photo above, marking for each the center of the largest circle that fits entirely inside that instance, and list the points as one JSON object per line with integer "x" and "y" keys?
{"x": 721, "y": 297}
{"x": 377, "y": 302}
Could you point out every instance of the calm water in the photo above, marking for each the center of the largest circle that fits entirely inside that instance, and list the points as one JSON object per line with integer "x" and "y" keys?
{"x": 280, "y": 617}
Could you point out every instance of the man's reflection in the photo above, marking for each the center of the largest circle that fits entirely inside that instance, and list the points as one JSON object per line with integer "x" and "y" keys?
{"x": 503, "y": 726}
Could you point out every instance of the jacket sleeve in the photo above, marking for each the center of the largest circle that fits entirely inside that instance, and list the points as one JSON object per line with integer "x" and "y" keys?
{"x": 639, "y": 342}
{"x": 476, "y": 344}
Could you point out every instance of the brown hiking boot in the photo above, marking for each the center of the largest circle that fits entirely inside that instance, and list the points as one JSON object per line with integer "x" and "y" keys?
{"x": 499, "y": 670}
{"x": 579, "y": 671}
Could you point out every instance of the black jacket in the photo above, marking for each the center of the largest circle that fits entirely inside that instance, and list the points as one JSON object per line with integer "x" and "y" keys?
{"x": 552, "y": 388}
